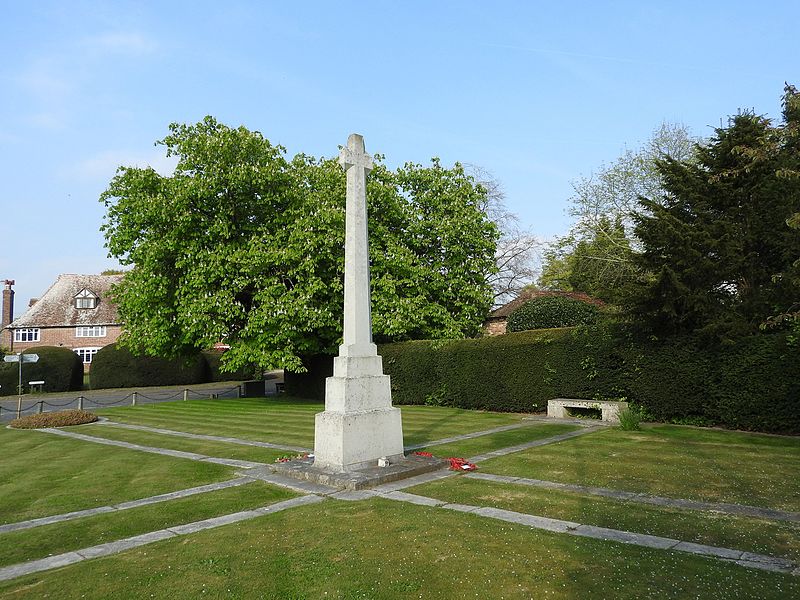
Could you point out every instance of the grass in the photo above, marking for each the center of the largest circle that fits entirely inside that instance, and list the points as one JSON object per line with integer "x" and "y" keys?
{"x": 381, "y": 549}
{"x": 754, "y": 535}
{"x": 39, "y": 542}
{"x": 159, "y": 440}
{"x": 674, "y": 461}
{"x": 290, "y": 421}
{"x": 502, "y": 439}
{"x": 42, "y": 474}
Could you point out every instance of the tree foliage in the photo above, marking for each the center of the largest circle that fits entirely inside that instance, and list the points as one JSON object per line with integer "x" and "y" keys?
{"x": 243, "y": 245}
{"x": 596, "y": 256}
{"x": 717, "y": 245}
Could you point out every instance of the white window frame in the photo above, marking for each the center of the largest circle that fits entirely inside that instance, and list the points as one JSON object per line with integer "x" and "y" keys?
{"x": 90, "y": 331}
{"x": 86, "y": 354}
{"x": 85, "y": 299}
{"x": 28, "y": 334}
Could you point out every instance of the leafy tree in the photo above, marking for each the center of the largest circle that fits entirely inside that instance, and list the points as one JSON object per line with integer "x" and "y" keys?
{"x": 596, "y": 257}
{"x": 716, "y": 244}
{"x": 241, "y": 244}
{"x": 599, "y": 266}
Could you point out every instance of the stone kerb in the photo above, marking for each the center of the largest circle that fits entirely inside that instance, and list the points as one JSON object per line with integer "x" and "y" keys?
{"x": 609, "y": 410}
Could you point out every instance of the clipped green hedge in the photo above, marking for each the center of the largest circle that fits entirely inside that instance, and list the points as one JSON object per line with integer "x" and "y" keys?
{"x": 753, "y": 384}
{"x": 60, "y": 369}
{"x": 547, "y": 312}
{"x": 115, "y": 367}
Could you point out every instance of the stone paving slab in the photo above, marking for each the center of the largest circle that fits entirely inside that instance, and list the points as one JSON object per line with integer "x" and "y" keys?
{"x": 626, "y": 537}
{"x": 412, "y": 499}
{"x": 412, "y": 481}
{"x": 200, "y": 436}
{"x": 708, "y": 550}
{"x": 264, "y": 473}
{"x": 126, "y": 544}
{"x": 460, "y": 507}
{"x": 90, "y": 512}
{"x": 109, "y": 548}
{"x": 353, "y": 495}
{"x": 43, "y": 564}
{"x": 535, "y": 443}
{"x": 742, "y": 510}
{"x": 556, "y": 525}
{"x": 232, "y": 462}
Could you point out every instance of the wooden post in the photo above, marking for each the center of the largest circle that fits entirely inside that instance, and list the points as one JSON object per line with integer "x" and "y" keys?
{"x": 239, "y": 391}
{"x": 80, "y": 402}
{"x": 133, "y": 399}
{"x": 41, "y": 406}
{"x": 19, "y": 406}
{"x": 185, "y": 395}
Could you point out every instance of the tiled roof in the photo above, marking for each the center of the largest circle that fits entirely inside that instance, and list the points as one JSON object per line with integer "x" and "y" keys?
{"x": 525, "y": 295}
{"x": 56, "y": 307}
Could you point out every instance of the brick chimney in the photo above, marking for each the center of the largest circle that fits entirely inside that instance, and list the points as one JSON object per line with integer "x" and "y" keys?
{"x": 8, "y": 304}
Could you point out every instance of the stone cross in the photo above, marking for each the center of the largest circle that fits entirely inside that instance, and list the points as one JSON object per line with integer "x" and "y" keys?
{"x": 359, "y": 426}
{"x": 357, "y": 306}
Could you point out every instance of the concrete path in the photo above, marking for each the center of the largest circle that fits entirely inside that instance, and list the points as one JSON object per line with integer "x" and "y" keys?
{"x": 109, "y": 548}
{"x": 229, "y": 462}
{"x": 718, "y": 507}
{"x": 200, "y": 436}
{"x": 89, "y": 512}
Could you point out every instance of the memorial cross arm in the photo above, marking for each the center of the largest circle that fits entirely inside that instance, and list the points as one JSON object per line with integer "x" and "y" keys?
{"x": 354, "y": 155}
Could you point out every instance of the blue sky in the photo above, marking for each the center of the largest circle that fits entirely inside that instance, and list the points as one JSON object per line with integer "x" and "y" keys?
{"x": 536, "y": 93}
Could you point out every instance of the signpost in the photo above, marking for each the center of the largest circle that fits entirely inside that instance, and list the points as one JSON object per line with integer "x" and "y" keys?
{"x": 20, "y": 358}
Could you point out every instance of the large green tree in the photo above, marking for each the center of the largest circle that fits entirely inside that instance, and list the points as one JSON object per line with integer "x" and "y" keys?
{"x": 243, "y": 245}
{"x": 716, "y": 246}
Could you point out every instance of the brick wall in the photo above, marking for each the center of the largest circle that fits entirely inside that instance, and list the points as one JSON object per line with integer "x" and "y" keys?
{"x": 494, "y": 326}
{"x": 65, "y": 336}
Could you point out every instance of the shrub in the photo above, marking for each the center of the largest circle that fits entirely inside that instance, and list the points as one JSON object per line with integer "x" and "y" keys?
{"x": 630, "y": 419}
{"x": 60, "y": 369}
{"x": 62, "y": 418}
{"x": 547, "y": 312}
{"x": 752, "y": 384}
{"x": 115, "y": 367}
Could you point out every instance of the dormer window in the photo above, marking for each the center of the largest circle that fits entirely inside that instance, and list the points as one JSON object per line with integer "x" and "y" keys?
{"x": 86, "y": 299}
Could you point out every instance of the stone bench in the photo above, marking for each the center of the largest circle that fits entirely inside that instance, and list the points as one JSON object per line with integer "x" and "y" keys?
{"x": 609, "y": 411}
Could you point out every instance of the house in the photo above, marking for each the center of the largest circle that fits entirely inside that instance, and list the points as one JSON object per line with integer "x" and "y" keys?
{"x": 495, "y": 323}
{"x": 76, "y": 312}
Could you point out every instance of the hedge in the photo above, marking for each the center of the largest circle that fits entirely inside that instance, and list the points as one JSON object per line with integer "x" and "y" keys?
{"x": 547, "y": 312}
{"x": 310, "y": 384}
{"x": 753, "y": 384}
{"x": 115, "y": 367}
{"x": 60, "y": 369}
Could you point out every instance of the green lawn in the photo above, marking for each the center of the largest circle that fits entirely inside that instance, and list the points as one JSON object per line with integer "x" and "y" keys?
{"x": 502, "y": 439}
{"x": 775, "y": 538}
{"x": 42, "y": 474}
{"x": 382, "y": 549}
{"x": 159, "y": 440}
{"x": 669, "y": 460}
{"x": 39, "y": 542}
{"x": 290, "y": 421}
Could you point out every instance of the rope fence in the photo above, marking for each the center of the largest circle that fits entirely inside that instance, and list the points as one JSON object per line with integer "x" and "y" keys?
{"x": 131, "y": 399}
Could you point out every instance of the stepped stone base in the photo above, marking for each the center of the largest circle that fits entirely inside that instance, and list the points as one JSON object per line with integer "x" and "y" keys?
{"x": 407, "y": 466}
